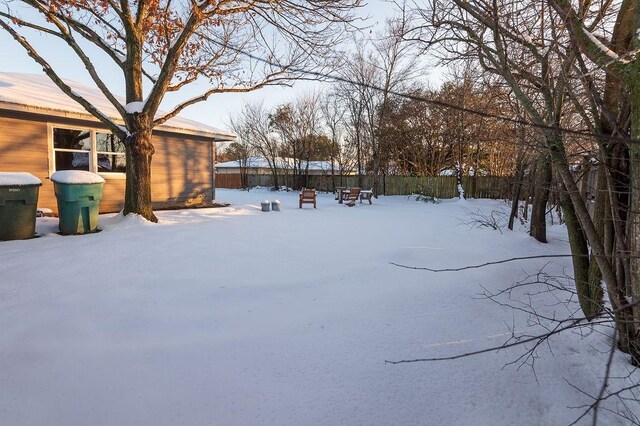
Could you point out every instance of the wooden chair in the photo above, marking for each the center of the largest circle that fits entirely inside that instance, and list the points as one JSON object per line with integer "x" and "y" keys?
{"x": 366, "y": 195}
{"x": 308, "y": 196}
{"x": 351, "y": 196}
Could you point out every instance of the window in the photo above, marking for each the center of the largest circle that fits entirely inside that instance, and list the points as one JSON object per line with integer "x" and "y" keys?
{"x": 71, "y": 149}
{"x": 87, "y": 149}
{"x": 110, "y": 152}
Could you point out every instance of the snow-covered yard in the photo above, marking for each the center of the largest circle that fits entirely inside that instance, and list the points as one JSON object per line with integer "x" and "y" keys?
{"x": 236, "y": 317}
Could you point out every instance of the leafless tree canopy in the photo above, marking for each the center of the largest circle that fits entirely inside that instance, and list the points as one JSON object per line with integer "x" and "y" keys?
{"x": 170, "y": 45}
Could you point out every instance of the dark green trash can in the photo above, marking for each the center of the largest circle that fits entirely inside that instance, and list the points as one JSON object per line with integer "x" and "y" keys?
{"x": 78, "y": 193}
{"x": 18, "y": 205}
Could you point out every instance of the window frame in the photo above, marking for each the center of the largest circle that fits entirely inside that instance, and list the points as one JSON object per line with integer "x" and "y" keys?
{"x": 92, "y": 152}
{"x": 96, "y": 153}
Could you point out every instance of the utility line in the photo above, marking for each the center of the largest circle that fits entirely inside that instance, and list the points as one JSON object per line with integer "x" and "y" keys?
{"x": 338, "y": 78}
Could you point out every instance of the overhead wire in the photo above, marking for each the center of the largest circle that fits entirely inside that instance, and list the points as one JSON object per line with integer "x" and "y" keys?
{"x": 321, "y": 76}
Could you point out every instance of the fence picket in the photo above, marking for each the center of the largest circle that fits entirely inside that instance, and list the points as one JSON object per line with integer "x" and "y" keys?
{"x": 496, "y": 187}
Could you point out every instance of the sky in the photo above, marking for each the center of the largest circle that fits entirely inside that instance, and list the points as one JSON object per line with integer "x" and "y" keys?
{"x": 216, "y": 111}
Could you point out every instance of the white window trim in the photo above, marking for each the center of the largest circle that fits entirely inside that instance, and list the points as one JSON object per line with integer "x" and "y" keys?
{"x": 93, "y": 154}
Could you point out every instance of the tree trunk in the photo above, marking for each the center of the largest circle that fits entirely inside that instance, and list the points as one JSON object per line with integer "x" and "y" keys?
{"x": 460, "y": 188}
{"x": 622, "y": 314}
{"x": 540, "y": 198}
{"x": 476, "y": 166}
{"x": 244, "y": 178}
{"x": 599, "y": 213}
{"x": 376, "y": 171}
{"x": 515, "y": 202}
{"x": 616, "y": 167}
{"x": 517, "y": 190}
{"x": 530, "y": 187}
{"x": 633, "y": 218}
{"x": 359, "y": 158}
{"x": 623, "y": 40}
{"x": 589, "y": 297}
{"x": 137, "y": 197}
{"x": 333, "y": 175}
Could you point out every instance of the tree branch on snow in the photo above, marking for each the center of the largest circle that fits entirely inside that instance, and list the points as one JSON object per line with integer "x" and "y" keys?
{"x": 482, "y": 265}
{"x": 553, "y": 325}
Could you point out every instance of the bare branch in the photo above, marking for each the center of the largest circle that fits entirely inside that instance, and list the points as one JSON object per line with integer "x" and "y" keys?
{"x": 115, "y": 128}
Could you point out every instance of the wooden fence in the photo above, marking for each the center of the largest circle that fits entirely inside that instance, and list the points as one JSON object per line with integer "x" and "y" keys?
{"x": 228, "y": 181}
{"x": 496, "y": 187}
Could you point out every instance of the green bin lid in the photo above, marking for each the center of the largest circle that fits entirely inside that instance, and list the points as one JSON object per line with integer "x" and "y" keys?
{"x": 76, "y": 177}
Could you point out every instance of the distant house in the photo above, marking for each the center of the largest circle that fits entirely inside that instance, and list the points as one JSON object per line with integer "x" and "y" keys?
{"x": 42, "y": 130}
{"x": 229, "y": 173}
{"x": 260, "y": 166}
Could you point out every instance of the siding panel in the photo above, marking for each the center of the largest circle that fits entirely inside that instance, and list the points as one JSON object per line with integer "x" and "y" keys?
{"x": 181, "y": 166}
{"x": 181, "y": 169}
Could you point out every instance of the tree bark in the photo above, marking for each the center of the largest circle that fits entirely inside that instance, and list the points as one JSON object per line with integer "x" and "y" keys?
{"x": 589, "y": 293}
{"x": 139, "y": 150}
{"x": 602, "y": 206}
{"x": 515, "y": 201}
{"x": 476, "y": 168}
{"x": 461, "y": 193}
{"x": 622, "y": 314}
{"x": 376, "y": 169}
{"x": 517, "y": 190}
{"x": 541, "y": 197}
{"x": 633, "y": 218}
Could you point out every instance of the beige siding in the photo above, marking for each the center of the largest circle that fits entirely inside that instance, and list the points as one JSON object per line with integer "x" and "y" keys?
{"x": 181, "y": 167}
{"x": 112, "y": 195}
{"x": 23, "y": 148}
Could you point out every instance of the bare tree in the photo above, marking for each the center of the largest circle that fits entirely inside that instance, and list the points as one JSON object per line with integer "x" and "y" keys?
{"x": 253, "y": 127}
{"x": 396, "y": 60}
{"x": 297, "y": 125}
{"x": 357, "y": 91}
{"x": 172, "y": 45}
{"x": 333, "y": 114}
{"x": 521, "y": 166}
{"x": 241, "y": 153}
{"x": 523, "y": 44}
{"x": 611, "y": 42}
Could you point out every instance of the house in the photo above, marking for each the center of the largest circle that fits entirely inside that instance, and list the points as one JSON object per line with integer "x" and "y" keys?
{"x": 229, "y": 172}
{"x": 260, "y": 166}
{"x": 42, "y": 130}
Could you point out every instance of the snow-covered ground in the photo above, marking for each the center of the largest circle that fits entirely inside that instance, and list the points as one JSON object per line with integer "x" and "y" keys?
{"x": 233, "y": 316}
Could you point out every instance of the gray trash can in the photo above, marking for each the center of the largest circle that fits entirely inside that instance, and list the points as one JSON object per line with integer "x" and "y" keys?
{"x": 18, "y": 203}
{"x": 265, "y": 205}
{"x": 275, "y": 205}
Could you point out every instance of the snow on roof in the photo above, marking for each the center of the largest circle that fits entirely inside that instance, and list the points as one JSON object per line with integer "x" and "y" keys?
{"x": 281, "y": 163}
{"x": 38, "y": 92}
{"x": 18, "y": 179}
{"x": 76, "y": 177}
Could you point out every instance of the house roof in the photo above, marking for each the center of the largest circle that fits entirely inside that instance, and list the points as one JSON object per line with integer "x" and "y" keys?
{"x": 281, "y": 163}
{"x": 36, "y": 93}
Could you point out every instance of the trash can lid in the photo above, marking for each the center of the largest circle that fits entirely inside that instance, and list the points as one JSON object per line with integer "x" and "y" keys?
{"x": 76, "y": 177}
{"x": 18, "y": 179}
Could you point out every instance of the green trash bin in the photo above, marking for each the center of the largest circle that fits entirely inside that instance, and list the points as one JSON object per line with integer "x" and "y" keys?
{"x": 18, "y": 205}
{"x": 78, "y": 193}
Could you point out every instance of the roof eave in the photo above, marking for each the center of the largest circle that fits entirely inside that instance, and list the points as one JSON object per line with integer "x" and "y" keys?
{"x": 217, "y": 137}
